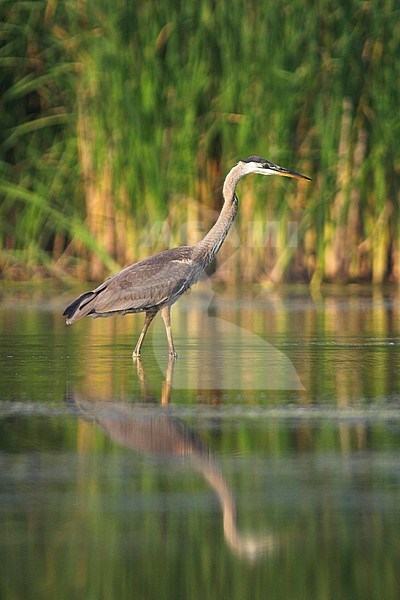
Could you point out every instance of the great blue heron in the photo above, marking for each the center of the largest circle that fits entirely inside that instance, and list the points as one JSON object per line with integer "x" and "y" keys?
{"x": 155, "y": 283}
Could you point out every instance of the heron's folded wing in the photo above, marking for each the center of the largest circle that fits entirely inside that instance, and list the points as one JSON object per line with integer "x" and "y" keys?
{"x": 144, "y": 285}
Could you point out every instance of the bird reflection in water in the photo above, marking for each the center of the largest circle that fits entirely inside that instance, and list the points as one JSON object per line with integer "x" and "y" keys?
{"x": 148, "y": 428}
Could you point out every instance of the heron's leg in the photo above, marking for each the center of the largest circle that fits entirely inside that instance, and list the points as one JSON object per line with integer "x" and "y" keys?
{"x": 149, "y": 317}
{"x": 166, "y": 315}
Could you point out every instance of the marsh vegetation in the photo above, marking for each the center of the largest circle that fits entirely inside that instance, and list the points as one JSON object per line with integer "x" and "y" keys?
{"x": 120, "y": 120}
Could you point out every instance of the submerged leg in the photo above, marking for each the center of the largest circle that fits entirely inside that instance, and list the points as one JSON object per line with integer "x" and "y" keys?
{"x": 166, "y": 315}
{"x": 149, "y": 317}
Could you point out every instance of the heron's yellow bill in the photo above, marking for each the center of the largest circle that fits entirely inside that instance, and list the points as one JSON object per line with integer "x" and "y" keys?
{"x": 286, "y": 173}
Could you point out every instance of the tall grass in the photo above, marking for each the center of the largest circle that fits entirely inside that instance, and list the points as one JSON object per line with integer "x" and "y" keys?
{"x": 122, "y": 118}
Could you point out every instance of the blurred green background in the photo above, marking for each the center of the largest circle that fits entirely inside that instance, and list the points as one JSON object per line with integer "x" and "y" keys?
{"x": 120, "y": 120}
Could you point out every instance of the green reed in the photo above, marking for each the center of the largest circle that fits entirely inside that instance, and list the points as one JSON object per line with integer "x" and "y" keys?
{"x": 118, "y": 114}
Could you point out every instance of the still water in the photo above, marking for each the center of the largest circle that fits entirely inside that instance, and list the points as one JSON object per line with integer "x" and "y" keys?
{"x": 263, "y": 463}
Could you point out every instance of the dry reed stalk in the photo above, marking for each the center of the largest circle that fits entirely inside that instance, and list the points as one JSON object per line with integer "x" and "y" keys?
{"x": 354, "y": 226}
{"x": 380, "y": 246}
{"x": 126, "y": 237}
{"x": 99, "y": 198}
{"x": 336, "y": 249}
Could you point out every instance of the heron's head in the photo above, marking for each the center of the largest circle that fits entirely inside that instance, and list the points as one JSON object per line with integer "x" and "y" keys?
{"x": 262, "y": 166}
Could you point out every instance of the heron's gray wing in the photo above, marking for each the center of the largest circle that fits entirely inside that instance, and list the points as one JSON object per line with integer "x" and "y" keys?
{"x": 145, "y": 285}
{"x": 142, "y": 286}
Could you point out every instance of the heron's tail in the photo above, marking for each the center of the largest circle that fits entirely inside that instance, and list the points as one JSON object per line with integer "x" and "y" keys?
{"x": 79, "y": 308}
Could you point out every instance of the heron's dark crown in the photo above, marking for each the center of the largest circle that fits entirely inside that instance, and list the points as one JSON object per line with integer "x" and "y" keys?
{"x": 257, "y": 159}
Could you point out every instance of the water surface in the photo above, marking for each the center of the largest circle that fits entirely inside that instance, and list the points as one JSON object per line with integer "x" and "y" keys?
{"x": 263, "y": 463}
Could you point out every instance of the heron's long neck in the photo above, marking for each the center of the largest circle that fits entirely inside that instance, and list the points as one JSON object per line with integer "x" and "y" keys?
{"x": 209, "y": 246}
